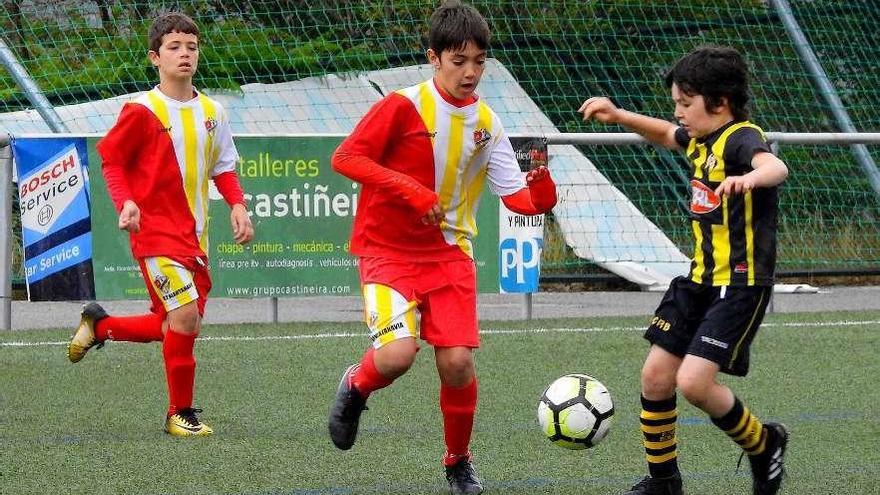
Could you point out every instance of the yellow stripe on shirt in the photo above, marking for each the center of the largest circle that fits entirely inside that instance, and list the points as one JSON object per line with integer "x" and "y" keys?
{"x": 210, "y": 153}
{"x": 160, "y": 109}
{"x": 474, "y": 189}
{"x": 699, "y": 262}
{"x": 721, "y": 249}
{"x": 191, "y": 157}
{"x": 453, "y": 160}
{"x": 428, "y": 108}
{"x": 750, "y": 237}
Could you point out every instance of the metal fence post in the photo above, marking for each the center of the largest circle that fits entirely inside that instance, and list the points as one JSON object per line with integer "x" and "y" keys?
{"x": 273, "y": 310}
{"x": 826, "y": 89}
{"x": 6, "y": 236}
{"x": 527, "y": 306}
{"x": 30, "y": 88}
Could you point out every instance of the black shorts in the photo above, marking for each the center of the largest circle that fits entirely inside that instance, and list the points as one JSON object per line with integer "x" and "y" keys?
{"x": 716, "y": 323}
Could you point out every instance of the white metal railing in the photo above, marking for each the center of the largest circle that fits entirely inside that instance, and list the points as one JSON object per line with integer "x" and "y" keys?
{"x": 6, "y": 269}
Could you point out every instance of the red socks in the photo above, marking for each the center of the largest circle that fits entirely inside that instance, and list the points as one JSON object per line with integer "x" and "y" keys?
{"x": 139, "y": 328}
{"x": 180, "y": 369}
{"x": 367, "y": 378}
{"x": 458, "y": 406}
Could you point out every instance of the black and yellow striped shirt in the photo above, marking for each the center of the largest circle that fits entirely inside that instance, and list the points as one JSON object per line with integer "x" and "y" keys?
{"x": 735, "y": 236}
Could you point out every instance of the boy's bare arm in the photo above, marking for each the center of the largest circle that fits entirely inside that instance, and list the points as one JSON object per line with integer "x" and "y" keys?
{"x": 768, "y": 171}
{"x": 657, "y": 131}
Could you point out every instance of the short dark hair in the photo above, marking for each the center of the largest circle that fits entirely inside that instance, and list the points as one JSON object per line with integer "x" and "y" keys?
{"x": 454, "y": 24}
{"x": 169, "y": 23}
{"x": 715, "y": 72}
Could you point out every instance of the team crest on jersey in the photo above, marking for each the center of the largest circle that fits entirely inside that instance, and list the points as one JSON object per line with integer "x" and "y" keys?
{"x": 481, "y": 138}
{"x": 210, "y": 125}
{"x": 711, "y": 161}
{"x": 162, "y": 283}
{"x": 704, "y": 199}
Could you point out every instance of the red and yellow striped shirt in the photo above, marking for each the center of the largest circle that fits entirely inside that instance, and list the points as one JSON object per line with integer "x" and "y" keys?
{"x": 161, "y": 153}
{"x": 415, "y": 148}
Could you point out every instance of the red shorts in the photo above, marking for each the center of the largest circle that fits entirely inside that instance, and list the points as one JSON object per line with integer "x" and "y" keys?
{"x": 174, "y": 281}
{"x": 443, "y": 293}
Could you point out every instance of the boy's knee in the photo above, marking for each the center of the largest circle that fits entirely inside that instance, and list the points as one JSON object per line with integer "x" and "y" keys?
{"x": 456, "y": 367}
{"x": 657, "y": 384}
{"x": 395, "y": 358}
{"x": 185, "y": 319}
{"x": 694, "y": 388}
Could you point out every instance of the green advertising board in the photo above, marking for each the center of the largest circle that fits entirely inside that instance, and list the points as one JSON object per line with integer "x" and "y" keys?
{"x": 302, "y": 213}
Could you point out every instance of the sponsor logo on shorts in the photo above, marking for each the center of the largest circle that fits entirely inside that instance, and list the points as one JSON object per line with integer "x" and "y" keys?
{"x": 374, "y": 318}
{"x": 660, "y": 323}
{"x": 171, "y": 295}
{"x": 162, "y": 283}
{"x": 388, "y": 329}
{"x": 715, "y": 342}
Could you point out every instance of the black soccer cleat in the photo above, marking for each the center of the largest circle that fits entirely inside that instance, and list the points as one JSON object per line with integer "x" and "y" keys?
{"x": 463, "y": 479}
{"x": 345, "y": 413}
{"x": 768, "y": 467}
{"x": 670, "y": 485}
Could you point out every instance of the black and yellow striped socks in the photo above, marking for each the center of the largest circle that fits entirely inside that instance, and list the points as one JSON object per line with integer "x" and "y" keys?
{"x": 658, "y": 419}
{"x": 743, "y": 428}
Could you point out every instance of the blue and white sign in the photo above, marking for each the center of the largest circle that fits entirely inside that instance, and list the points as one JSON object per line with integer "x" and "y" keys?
{"x": 56, "y": 225}
{"x": 521, "y": 237}
{"x": 520, "y": 243}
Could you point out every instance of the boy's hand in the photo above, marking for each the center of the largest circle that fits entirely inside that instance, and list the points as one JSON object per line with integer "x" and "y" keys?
{"x": 434, "y": 216}
{"x": 130, "y": 217}
{"x": 242, "y": 229}
{"x": 600, "y": 108}
{"x": 737, "y": 184}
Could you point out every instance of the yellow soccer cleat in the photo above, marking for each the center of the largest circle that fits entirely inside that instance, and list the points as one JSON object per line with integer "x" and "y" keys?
{"x": 185, "y": 423}
{"x": 84, "y": 337}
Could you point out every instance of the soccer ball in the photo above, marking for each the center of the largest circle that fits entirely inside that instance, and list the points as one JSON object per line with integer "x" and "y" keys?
{"x": 575, "y": 411}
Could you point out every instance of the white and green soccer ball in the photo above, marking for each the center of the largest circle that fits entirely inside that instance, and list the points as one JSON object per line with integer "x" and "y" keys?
{"x": 575, "y": 411}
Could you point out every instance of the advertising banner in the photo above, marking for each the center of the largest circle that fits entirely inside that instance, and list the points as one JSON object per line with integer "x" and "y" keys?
{"x": 521, "y": 237}
{"x": 302, "y": 213}
{"x": 53, "y": 198}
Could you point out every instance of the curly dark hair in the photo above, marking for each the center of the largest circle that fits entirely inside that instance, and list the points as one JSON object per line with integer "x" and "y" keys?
{"x": 715, "y": 72}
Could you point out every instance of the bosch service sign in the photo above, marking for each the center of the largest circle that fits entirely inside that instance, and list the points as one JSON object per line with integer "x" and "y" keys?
{"x": 56, "y": 226}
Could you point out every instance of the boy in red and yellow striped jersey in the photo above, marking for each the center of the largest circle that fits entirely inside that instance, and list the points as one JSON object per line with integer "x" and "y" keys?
{"x": 157, "y": 161}
{"x": 423, "y": 155}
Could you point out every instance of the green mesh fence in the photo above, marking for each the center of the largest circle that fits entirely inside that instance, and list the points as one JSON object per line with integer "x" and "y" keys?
{"x": 560, "y": 52}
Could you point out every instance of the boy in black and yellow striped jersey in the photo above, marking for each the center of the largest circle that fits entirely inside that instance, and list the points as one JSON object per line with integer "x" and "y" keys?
{"x": 707, "y": 320}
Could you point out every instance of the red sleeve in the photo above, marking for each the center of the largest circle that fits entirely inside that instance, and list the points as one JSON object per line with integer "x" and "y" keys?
{"x": 538, "y": 197}
{"x": 229, "y": 187}
{"x": 358, "y": 156}
{"x": 118, "y": 150}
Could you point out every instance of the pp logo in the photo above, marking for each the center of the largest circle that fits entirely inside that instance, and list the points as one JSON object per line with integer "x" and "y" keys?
{"x": 520, "y": 264}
